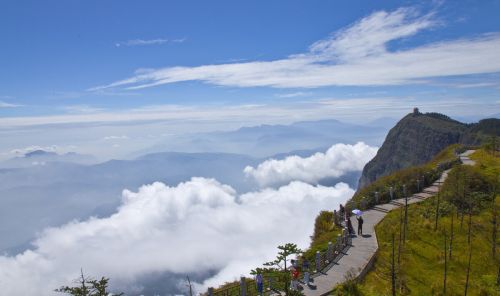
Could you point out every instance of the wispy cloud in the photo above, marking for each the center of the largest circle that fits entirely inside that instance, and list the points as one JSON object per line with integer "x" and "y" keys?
{"x": 79, "y": 109}
{"x": 143, "y": 42}
{"x": 107, "y": 138}
{"x": 479, "y": 84}
{"x": 359, "y": 109}
{"x": 294, "y": 94}
{"x": 8, "y": 105}
{"x": 356, "y": 56}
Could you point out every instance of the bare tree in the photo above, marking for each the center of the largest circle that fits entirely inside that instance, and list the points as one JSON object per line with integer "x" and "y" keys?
{"x": 445, "y": 265}
{"x": 470, "y": 221}
{"x": 468, "y": 271}
{"x": 451, "y": 235}
{"x": 393, "y": 272}
{"x": 400, "y": 235}
{"x": 437, "y": 212}
{"x": 462, "y": 209}
{"x": 494, "y": 228}
{"x": 190, "y": 286}
{"x": 406, "y": 215}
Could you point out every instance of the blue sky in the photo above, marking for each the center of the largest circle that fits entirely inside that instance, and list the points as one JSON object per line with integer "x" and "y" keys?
{"x": 108, "y": 62}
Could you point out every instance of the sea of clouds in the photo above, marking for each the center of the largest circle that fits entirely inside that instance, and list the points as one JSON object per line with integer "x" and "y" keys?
{"x": 199, "y": 227}
{"x": 335, "y": 162}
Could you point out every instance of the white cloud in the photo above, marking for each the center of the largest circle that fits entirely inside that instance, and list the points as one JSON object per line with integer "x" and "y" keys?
{"x": 357, "y": 55}
{"x": 81, "y": 109}
{"x": 123, "y": 137}
{"x": 294, "y": 94}
{"x": 354, "y": 109}
{"x": 479, "y": 84}
{"x": 8, "y": 105}
{"x": 143, "y": 42}
{"x": 200, "y": 225}
{"x": 337, "y": 161}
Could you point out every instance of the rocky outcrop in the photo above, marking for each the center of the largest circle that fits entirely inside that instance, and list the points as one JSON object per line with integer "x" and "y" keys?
{"x": 418, "y": 137}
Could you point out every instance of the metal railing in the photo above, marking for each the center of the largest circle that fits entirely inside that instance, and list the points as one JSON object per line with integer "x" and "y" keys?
{"x": 274, "y": 283}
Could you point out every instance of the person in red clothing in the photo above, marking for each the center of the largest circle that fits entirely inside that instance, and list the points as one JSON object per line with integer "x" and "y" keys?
{"x": 295, "y": 278}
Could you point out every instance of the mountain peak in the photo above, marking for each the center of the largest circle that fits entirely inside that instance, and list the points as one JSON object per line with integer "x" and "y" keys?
{"x": 39, "y": 152}
{"x": 417, "y": 137}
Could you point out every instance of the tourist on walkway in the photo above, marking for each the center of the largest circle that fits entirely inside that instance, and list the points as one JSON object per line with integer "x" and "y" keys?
{"x": 349, "y": 224}
{"x": 305, "y": 268}
{"x": 260, "y": 284}
{"x": 295, "y": 278}
{"x": 360, "y": 225}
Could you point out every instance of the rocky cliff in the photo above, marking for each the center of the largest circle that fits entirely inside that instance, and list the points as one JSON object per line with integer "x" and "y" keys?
{"x": 418, "y": 137}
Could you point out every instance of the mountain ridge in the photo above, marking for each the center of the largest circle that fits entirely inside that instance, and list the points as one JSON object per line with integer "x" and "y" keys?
{"x": 417, "y": 137}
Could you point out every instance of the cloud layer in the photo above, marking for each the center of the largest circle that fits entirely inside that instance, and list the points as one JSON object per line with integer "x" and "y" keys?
{"x": 356, "y": 55}
{"x": 144, "y": 42}
{"x": 199, "y": 226}
{"x": 335, "y": 162}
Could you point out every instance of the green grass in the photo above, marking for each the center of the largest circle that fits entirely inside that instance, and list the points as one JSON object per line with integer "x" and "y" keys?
{"x": 422, "y": 258}
{"x": 324, "y": 231}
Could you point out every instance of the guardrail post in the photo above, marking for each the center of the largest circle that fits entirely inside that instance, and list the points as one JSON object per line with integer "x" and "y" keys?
{"x": 318, "y": 261}
{"x": 391, "y": 192}
{"x": 376, "y": 197}
{"x": 243, "y": 290}
{"x": 210, "y": 291}
{"x": 329, "y": 254}
{"x": 338, "y": 244}
{"x": 335, "y": 218}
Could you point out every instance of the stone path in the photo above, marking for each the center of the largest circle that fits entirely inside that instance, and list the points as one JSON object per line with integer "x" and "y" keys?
{"x": 362, "y": 251}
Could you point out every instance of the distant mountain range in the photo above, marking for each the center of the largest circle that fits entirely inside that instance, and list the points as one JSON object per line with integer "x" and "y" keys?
{"x": 42, "y": 157}
{"x": 418, "y": 137}
{"x": 265, "y": 140}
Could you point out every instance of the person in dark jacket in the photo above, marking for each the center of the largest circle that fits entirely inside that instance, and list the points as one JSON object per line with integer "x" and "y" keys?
{"x": 349, "y": 225}
{"x": 360, "y": 225}
{"x": 305, "y": 270}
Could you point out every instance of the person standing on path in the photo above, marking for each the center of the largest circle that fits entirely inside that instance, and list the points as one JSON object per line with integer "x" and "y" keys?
{"x": 295, "y": 277}
{"x": 305, "y": 268}
{"x": 349, "y": 225}
{"x": 360, "y": 225}
{"x": 260, "y": 284}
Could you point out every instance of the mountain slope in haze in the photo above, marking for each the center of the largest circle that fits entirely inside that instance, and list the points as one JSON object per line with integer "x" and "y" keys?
{"x": 264, "y": 140}
{"x": 42, "y": 157}
{"x": 418, "y": 137}
{"x": 39, "y": 196}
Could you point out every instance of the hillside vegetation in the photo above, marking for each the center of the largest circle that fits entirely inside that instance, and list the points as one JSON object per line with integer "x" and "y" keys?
{"x": 414, "y": 178}
{"x": 466, "y": 222}
{"x": 417, "y": 137}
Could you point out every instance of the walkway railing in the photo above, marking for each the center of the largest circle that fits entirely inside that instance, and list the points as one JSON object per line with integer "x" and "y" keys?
{"x": 275, "y": 283}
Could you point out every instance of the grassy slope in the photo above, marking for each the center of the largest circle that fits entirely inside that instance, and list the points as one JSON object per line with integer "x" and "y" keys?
{"x": 406, "y": 176}
{"x": 324, "y": 231}
{"x": 422, "y": 261}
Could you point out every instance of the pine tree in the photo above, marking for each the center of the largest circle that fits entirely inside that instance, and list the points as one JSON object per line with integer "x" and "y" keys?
{"x": 88, "y": 287}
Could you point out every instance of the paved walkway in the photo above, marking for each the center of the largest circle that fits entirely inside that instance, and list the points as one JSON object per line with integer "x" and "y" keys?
{"x": 364, "y": 247}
